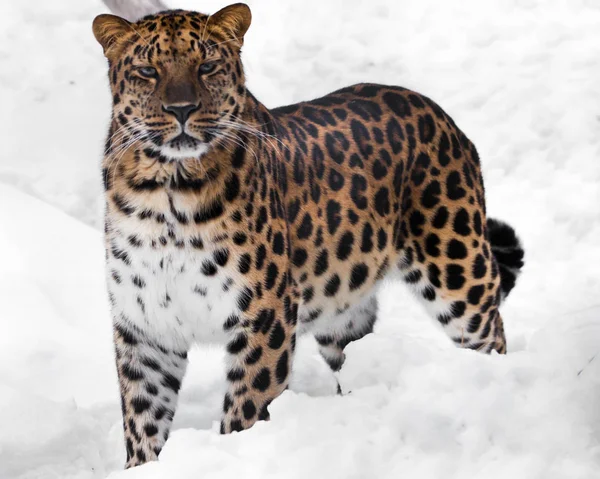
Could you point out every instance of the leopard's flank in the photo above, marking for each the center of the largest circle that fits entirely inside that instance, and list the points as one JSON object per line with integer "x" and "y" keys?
{"x": 227, "y": 221}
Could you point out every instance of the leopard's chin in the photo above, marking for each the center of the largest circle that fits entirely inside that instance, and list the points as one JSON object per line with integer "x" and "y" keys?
{"x": 183, "y": 147}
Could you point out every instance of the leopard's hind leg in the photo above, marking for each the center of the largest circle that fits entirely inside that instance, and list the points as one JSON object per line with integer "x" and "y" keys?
{"x": 354, "y": 323}
{"x": 449, "y": 261}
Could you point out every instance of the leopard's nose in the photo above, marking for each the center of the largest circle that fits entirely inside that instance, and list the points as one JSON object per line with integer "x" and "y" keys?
{"x": 181, "y": 112}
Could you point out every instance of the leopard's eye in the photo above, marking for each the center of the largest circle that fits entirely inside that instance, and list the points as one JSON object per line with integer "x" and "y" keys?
{"x": 207, "y": 67}
{"x": 148, "y": 72}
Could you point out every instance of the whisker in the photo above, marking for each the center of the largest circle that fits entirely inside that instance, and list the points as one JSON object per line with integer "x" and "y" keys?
{"x": 241, "y": 122}
{"x": 138, "y": 34}
{"x": 114, "y": 158}
{"x": 205, "y": 26}
{"x": 240, "y": 142}
{"x": 257, "y": 133}
{"x": 227, "y": 41}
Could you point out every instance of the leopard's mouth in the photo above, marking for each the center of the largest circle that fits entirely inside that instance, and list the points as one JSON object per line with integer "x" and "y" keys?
{"x": 183, "y": 140}
{"x": 184, "y": 146}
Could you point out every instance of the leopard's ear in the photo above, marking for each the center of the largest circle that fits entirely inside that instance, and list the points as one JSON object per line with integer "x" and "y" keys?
{"x": 109, "y": 29}
{"x": 233, "y": 20}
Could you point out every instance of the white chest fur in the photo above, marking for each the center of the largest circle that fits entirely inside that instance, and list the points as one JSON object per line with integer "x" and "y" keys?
{"x": 175, "y": 294}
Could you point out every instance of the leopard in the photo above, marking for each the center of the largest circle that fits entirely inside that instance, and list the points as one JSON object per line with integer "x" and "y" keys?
{"x": 228, "y": 222}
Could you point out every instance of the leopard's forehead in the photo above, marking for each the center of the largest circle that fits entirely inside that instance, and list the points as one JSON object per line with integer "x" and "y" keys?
{"x": 177, "y": 35}
{"x": 173, "y": 20}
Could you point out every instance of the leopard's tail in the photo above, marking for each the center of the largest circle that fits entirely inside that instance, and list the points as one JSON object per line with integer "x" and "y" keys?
{"x": 508, "y": 252}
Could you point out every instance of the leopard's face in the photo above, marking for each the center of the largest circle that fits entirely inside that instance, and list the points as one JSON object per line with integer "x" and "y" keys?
{"x": 177, "y": 80}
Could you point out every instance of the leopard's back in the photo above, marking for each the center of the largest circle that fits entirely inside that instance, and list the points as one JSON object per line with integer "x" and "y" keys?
{"x": 382, "y": 183}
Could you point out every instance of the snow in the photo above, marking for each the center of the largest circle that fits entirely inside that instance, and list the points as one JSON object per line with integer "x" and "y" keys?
{"x": 520, "y": 77}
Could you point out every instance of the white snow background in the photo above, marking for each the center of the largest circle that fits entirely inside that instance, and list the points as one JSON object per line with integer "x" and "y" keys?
{"x": 520, "y": 77}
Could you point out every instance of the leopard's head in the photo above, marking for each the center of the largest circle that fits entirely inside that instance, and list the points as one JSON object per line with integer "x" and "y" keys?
{"x": 176, "y": 77}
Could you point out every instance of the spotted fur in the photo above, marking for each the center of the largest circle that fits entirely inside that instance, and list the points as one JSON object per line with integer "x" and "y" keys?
{"x": 226, "y": 221}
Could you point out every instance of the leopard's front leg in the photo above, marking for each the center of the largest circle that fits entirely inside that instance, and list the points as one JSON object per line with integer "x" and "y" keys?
{"x": 149, "y": 377}
{"x": 259, "y": 358}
